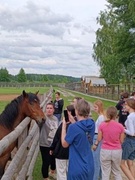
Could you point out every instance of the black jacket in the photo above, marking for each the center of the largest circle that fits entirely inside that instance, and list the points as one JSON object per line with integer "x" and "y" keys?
{"x": 58, "y": 106}
{"x": 58, "y": 150}
{"x": 122, "y": 112}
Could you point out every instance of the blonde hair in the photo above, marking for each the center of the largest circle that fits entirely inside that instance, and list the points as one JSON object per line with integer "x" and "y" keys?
{"x": 100, "y": 105}
{"x": 131, "y": 103}
{"x": 83, "y": 108}
{"x": 111, "y": 113}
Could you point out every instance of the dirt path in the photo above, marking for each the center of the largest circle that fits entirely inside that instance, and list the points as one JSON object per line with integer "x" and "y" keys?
{"x": 8, "y": 97}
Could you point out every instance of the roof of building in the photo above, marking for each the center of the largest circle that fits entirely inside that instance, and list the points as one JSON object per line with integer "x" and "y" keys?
{"x": 94, "y": 80}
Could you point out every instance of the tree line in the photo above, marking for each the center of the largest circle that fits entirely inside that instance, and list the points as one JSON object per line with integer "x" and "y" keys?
{"x": 114, "y": 49}
{"x": 23, "y": 77}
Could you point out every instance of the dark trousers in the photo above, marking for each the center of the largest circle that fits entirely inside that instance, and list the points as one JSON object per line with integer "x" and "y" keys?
{"x": 47, "y": 160}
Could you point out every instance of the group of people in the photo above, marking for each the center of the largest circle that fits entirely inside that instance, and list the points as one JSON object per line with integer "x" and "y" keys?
{"x": 84, "y": 149}
{"x": 114, "y": 140}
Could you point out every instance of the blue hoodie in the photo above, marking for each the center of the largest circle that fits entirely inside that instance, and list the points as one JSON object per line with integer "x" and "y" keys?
{"x": 79, "y": 136}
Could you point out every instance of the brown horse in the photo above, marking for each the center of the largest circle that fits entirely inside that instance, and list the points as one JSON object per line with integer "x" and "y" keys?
{"x": 24, "y": 105}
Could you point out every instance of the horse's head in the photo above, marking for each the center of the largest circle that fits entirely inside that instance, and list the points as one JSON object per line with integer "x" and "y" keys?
{"x": 32, "y": 107}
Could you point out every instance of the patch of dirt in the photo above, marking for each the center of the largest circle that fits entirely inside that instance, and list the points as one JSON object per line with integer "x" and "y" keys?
{"x": 8, "y": 97}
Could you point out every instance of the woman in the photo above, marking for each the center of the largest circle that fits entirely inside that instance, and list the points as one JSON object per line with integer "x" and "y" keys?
{"x": 112, "y": 135}
{"x": 99, "y": 109}
{"x": 128, "y": 147}
{"x": 47, "y": 133}
{"x": 78, "y": 138}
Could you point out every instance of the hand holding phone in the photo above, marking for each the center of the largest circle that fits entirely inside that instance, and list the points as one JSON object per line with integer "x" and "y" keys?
{"x": 66, "y": 115}
{"x": 73, "y": 113}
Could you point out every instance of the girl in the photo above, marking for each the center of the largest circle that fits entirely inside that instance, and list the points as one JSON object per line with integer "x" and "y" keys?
{"x": 47, "y": 133}
{"x": 128, "y": 147}
{"x": 81, "y": 164}
{"x": 112, "y": 135}
{"x": 99, "y": 109}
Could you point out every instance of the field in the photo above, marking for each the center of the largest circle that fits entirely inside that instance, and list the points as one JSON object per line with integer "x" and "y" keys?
{"x": 7, "y": 94}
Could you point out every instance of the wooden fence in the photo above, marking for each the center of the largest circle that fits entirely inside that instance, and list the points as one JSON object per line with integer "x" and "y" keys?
{"x": 23, "y": 161}
{"x": 108, "y": 91}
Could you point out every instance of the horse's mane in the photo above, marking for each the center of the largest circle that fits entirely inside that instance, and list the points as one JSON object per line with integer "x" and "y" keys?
{"x": 11, "y": 111}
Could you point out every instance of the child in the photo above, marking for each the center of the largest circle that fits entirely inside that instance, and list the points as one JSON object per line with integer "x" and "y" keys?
{"x": 128, "y": 147}
{"x": 99, "y": 109}
{"x": 112, "y": 135}
{"x": 81, "y": 163}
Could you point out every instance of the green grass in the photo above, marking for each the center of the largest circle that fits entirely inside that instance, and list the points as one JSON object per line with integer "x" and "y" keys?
{"x": 67, "y": 100}
{"x": 18, "y": 91}
{"x": 37, "y": 168}
{"x": 14, "y": 90}
{"x": 2, "y": 105}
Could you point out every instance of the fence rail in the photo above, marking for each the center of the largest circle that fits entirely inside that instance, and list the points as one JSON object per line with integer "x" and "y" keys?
{"x": 22, "y": 164}
{"x": 108, "y": 91}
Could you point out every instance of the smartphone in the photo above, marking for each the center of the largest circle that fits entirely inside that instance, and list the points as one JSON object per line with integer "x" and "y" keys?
{"x": 73, "y": 113}
{"x": 66, "y": 115}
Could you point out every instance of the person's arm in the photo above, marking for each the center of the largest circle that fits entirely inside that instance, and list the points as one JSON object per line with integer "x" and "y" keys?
{"x": 130, "y": 126}
{"x": 99, "y": 138}
{"x": 122, "y": 137}
{"x": 118, "y": 105}
{"x": 63, "y": 135}
{"x": 61, "y": 103}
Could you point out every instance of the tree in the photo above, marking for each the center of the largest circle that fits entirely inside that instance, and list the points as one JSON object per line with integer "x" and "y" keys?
{"x": 21, "y": 76}
{"x": 114, "y": 49}
{"x": 4, "y": 75}
{"x": 105, "y": 47}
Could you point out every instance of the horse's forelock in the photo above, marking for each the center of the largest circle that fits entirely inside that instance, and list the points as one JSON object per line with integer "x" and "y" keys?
{"x": 32, "y": 97}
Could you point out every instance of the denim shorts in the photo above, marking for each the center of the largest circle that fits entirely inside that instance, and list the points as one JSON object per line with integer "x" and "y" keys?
{"x": 128, "y": 148}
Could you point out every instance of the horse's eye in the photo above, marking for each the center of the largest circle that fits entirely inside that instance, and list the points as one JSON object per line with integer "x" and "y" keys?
{"x": 35, "y": 100}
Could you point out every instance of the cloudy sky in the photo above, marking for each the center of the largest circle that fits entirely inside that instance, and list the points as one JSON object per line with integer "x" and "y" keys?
{"x": 49, "y": 36}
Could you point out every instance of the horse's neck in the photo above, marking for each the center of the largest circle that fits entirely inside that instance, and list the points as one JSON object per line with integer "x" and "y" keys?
{"x": 19, "y": 119}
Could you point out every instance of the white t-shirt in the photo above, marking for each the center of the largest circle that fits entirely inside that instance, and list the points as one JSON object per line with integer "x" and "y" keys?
{"x": 100, "y": 119}
{"x": 130, "y": 124}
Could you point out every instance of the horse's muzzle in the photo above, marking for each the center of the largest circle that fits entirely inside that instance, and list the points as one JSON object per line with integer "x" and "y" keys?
{"x": 43, "y": 120}
{"x": 40, "y": 123}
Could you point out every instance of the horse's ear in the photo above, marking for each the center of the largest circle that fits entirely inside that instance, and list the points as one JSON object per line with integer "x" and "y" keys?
{"x": 37, "y": 92}
{"x": 24, "y": 93}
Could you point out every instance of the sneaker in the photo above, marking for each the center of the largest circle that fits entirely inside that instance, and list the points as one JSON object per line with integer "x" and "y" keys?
{"x": 52, "y": 175}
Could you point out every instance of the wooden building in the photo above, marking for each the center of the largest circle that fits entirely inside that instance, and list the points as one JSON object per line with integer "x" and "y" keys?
{"x": 93, "y": 84}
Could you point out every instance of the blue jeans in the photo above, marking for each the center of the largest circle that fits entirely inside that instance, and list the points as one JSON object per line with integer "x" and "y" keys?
{"x": 58, "y": 117}
{"x": 96, "y": 156}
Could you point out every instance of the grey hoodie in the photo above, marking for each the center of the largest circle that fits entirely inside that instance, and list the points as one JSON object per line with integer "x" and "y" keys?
{"x": 48, "y": 131}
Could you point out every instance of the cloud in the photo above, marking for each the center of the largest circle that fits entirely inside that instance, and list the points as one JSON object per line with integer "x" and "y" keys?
{"x": 42, "y": 21}
{"x": 45, "y": 38}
